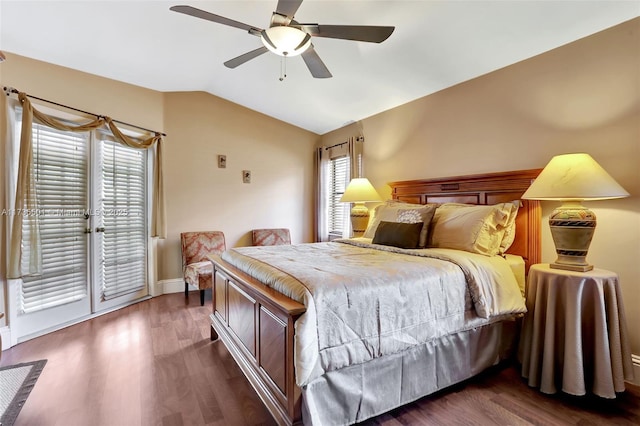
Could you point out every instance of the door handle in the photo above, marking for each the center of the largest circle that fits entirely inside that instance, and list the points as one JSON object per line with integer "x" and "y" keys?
{"x": 100, "y": 229}
{"x": 87, "y": 230}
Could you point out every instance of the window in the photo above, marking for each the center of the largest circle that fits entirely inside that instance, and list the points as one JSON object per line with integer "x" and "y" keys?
{"x": 337, "y": 183}
{"x": 335, "y": 166}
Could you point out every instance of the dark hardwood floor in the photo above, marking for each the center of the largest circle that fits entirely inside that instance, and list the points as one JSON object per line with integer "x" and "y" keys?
{"x": 153, "y": 364}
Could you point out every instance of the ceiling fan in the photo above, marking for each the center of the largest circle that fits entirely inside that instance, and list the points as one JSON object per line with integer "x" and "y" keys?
{"x": 287, "y": 37}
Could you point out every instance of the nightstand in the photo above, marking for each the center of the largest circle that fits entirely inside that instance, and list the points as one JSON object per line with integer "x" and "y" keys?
{"x": 574, "y": 335}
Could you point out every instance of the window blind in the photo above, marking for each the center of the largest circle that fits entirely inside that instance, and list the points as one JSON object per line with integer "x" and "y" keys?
{"x": 60, "y": 169}
{"x": 123, "y": 213}
{"x": 338, "y": 179}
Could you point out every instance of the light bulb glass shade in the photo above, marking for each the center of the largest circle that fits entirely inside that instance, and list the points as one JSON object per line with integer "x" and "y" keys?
{"x": 359, "y": 190}
{"x": 574, "y": 177}
{"x": 285, "y": 41}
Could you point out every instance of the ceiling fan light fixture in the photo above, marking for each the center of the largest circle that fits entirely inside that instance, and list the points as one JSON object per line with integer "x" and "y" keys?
{"x": 285, "y": 41}
{"x": 287, "y": 37}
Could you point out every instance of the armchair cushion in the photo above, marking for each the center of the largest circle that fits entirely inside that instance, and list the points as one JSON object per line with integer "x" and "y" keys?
{"x": 270, "y": 237}
{"x": 199, "y": 274}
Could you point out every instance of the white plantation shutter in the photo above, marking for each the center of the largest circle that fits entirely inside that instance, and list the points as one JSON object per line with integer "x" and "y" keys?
{"x": 60, "y": 168}
{"x": 338, "y": 179}
{"x": 122, "y": 212}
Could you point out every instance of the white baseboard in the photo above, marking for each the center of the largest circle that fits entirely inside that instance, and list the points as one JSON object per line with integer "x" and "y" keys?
{"x": 5, "y": 335}
{"x": 636, "y": 369}
{"x": 175, "y": 285}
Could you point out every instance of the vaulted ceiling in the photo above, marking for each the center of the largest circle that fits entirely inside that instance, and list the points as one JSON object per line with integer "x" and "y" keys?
{"x": 435, "y": 45}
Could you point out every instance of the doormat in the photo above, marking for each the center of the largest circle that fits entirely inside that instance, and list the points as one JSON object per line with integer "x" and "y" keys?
{"x": 16, "y": 383}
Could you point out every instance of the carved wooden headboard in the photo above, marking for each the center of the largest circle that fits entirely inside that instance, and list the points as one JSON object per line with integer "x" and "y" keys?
{"x": 490, "y": 188}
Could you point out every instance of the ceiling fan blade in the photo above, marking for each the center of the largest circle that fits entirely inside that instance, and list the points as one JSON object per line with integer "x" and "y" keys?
{"x": 288, "y": 8}
{"x": 314, "y": 63}
{"x": 372, "y": 34}
{"x": 232, "y": 63}
{"x": 192, "y": 11}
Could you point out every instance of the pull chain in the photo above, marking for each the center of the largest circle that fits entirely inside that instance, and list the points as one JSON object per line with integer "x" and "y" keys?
{"x": 283, "y": 68}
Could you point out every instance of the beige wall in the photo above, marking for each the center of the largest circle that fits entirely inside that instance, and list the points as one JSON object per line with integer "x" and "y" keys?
{"x": 582, "y": 97}
{"x": 202, "y": 196}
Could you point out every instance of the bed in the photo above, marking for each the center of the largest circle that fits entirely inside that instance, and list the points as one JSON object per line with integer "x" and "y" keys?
{"x": 290, "y": 318}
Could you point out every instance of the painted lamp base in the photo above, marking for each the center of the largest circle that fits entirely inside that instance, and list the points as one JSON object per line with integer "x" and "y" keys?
{"x": 572, "y": 227}
{"x": 359, "y": 219}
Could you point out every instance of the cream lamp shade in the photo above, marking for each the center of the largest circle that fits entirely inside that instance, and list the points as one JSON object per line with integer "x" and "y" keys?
{"x": 573, "y": 178}
{"x": 359, "y": 191}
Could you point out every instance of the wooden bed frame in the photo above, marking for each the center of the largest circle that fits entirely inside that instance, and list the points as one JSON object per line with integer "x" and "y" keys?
{"x": 256, "y": 323}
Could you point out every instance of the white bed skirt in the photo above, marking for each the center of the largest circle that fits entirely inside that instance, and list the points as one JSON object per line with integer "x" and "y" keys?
{"x": 358, "y": 392}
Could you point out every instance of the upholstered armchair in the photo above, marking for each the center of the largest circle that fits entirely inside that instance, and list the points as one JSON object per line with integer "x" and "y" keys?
{"x": 196, "y": 268}
{"x": 270, "y": 237}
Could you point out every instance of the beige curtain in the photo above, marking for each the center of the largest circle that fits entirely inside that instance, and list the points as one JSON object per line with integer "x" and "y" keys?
{"x": 321, "y": 163}
{"x": 26, "y": 196}
{"x": 355, "y": 145}
{"x": 158, "y": 223}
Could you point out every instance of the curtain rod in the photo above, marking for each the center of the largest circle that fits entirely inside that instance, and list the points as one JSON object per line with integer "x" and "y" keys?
{"x": 359, "y": 138}
{"x": 9, "y": 90}
{"x": 333, "y": 146}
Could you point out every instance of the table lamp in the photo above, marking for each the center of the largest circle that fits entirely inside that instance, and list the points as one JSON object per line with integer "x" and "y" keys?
{"x": 573, "y": 178}
{"x": 358, "y": 192}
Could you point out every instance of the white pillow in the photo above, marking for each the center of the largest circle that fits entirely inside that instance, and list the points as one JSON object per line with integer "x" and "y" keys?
{"x": 395, "y": 211}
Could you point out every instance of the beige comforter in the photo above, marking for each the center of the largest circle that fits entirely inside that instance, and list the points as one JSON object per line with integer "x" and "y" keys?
{"x": 364, "y": 301}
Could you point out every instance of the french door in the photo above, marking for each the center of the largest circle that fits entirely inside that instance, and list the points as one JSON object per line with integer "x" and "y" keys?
{"x": 119, "y": 219}
{"x": 92, "y": 216}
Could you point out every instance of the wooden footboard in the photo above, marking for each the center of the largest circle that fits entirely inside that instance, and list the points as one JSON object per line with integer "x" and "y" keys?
{"x": 256, "y": 324}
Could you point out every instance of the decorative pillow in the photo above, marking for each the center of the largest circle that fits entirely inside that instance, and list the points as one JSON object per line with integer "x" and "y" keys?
{"x": 409, "y": 216}
{"x": 473, "y": 228}
{"x": 395, "y": 211}
{"x": 398, "y": 234}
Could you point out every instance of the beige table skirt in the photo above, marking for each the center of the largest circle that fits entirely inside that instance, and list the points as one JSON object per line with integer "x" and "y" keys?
{"x": 574, "y": 335}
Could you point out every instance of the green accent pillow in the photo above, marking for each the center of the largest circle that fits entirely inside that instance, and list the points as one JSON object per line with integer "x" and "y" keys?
{"x": 398, "y": 234}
